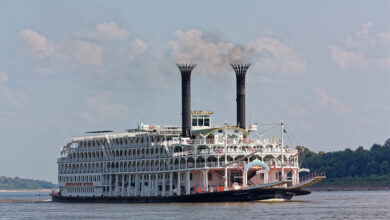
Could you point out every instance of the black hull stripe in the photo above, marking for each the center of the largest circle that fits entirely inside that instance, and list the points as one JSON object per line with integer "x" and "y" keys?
{"x": 225, "y": 196}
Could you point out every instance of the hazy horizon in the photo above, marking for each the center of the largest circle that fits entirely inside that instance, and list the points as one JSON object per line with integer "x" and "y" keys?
{"x": 67, "y": 67}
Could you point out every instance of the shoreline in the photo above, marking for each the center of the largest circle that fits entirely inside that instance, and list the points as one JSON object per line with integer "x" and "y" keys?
{"x": 349, "y": 188}
{"x": 24, "y": 190}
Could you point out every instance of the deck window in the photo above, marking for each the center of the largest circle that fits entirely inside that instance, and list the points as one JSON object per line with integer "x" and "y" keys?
{"x": 206, "y": 122}
{"x": 200, "y": 122}
{"x": 194, "y": 122}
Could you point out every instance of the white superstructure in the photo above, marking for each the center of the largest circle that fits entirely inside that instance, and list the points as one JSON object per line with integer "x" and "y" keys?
{"x": 155, "y": 160}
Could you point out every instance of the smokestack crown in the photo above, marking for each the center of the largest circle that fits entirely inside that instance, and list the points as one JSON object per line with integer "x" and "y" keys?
{"x": 240, "y": 69}
{"x": 185, "y": 67}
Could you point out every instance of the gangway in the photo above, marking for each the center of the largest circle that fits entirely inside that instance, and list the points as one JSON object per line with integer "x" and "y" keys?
{"x": 309, "y": 180}
{"x": 268, "y": 185}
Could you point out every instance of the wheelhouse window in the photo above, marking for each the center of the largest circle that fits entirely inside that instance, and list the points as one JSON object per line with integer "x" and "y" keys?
{"x": 200, "y": 122}
{"x": 194, "y": 122}
{"x": 201, "y": 118}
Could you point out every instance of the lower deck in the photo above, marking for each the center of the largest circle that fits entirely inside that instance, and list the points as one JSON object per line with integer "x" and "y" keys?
{"x": 178, "y": 183}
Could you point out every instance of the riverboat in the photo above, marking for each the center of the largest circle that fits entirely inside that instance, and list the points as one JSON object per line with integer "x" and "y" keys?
{"x": 195, "y": 162}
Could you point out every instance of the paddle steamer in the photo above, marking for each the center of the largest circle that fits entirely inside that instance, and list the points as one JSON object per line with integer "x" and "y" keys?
{"x": 195, "y": 162}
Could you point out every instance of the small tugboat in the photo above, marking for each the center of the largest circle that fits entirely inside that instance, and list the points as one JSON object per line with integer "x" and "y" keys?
{"x": 197, "y": 162}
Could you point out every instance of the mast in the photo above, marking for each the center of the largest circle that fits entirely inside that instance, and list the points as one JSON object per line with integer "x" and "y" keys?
{"x": 226, "y": 169}
{"x": 282, "y": 144}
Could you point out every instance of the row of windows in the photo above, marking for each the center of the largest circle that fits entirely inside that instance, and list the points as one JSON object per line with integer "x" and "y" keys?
{"x": 201, "y": 120}
{"x": 120, "y": 141}
{"x": 156, "y": 151}
{"x": 81, "y": 190}
{"x": 100, "y": 154}
{"x": 93, "y": 178}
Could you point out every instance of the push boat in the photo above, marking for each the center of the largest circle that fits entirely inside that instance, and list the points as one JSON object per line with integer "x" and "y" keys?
{"x": 195, "y": 162}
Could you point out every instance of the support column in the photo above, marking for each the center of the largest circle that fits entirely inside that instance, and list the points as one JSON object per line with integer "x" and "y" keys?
{"x": 205, "y": 180}
{"x": 178, "y": 183}
{"x": 226, "y": 187}
{"x": 123, "y": 185}
{"x": 163, "y": 185}
{"x": 110, "y": 184}
{"x": 188, "y": 183}
{"x": 265, "y": 177}
{"x": 136, "y": 184}
{"x": 130, "y": 178}
{"x": 170, "y": 183}
{"x": 143, "y": 185}
{"x": 245, "y": 179}
{"x": 116, "y": 184}
{"x": 156, "y": 185}
{"x": 150, "y": 185}
{"x": 294, "y": 176}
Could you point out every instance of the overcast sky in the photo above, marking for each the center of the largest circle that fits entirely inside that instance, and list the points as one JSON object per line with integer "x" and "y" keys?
{"x": 67, "y": 67}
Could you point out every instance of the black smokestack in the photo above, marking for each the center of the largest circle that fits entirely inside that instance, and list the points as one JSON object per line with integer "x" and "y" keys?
{"x": 186, "y": 70}
{"x": 240, "y": 70}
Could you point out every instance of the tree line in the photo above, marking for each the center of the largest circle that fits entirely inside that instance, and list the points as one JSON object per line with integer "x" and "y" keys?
{"x": 349, "y": 163}
{"x": 18, "y": 183}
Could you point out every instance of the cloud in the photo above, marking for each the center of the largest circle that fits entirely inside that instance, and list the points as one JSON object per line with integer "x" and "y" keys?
{"x": 100, "y": 108}
{"x": 108, "y": 31}
{"x": 384, "y": 38}
{"x": 9, "y": 96}
{"x": 138, "y": 47}
{"x": 12, "y": 97}
{"x": 272, "y": 55}
{"x": 38, "y": 44}
{"x": 190, "y": 47}
{"x": 85, "y": 52}
{"x": 3, "y": 77}
{"x": 332, "y": 104}
{"x": 82, "y": 52}
{"x": 363, "y": 49}
{"x": 362, "y": 38}
{"x": 269, "y": 54}
{"x": 346, "y": 59}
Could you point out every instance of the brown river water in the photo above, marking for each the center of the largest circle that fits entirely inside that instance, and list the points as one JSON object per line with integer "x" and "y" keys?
{"x": 318, "y": 205}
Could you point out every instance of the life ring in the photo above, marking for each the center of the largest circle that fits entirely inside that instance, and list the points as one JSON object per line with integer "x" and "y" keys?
{"x": 248, "y": 140}
{"x": 228, "y": 140}
{"x": 151, "y": 126}
{"x": 250, "y": 127}
{"x": 189, "y": 141}
{"x": 218, "y": 150}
